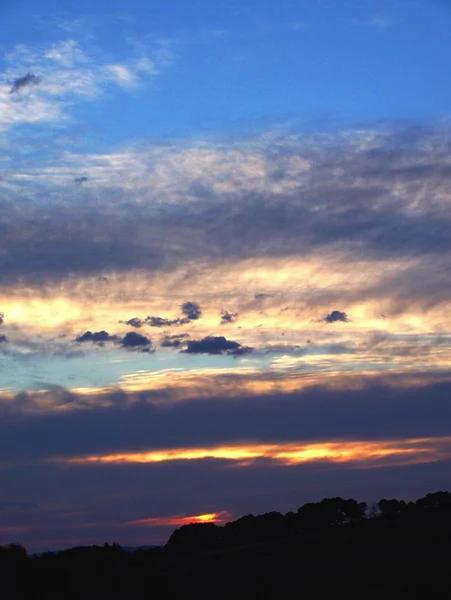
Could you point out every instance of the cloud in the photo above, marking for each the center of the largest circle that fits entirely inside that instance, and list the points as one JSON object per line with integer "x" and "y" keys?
{"x": 179, "y": 520}
{"x": 371, "y": 179}
{"x": 373, "y": 453}
{"x": 228, "y": 317}
{"x": 134, "y": 322}
{"x": 122, "y": 75}
{"x": 2, "y": 318}
{"x": 241, "y": 351}
{"x": 153, "y": 321}
{"x": 216, "y": 345}
{"x": 98, "y": 337}
{"x": 375, "y": 409}
{"x": 353, "y": 203}
{"x": 336, "y": 316}
{"x": 3, "y": 338}
{"x": 378, "y": 22}
{"x": 174, "y": 341}
{"x": 28, "y": 80}
{"x": 80, "y": 180}
{"x": 69, "y": 73}
{"x": 162, "y": 322}
{"x": 135, "y": 340}
{"x": 191, "y": 310}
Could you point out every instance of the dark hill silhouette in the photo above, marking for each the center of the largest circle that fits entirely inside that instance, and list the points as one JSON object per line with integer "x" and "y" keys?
{"x": 332, "y": 548}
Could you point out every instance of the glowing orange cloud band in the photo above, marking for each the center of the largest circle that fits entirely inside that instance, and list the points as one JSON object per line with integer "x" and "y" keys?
{"x": 179, "y": 520}
{"x": 407, "y": 451}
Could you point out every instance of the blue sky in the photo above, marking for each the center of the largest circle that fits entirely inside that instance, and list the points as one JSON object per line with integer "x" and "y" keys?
{"x": 225, "y": 256}
{"x": 229, "y": 67}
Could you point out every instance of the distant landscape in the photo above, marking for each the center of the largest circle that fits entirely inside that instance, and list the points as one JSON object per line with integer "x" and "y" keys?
{"x": 337, "y": 547}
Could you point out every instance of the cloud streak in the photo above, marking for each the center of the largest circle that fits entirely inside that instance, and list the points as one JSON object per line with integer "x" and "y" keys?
{"x": 369, "y": 453}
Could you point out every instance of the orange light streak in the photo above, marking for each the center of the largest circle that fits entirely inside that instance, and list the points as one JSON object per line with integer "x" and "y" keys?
{"x": 408, "y": 451}
{"x": 179, "y": 520}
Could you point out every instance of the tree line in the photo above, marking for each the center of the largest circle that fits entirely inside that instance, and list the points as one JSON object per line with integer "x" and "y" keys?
{"x": 337, "y": 546}
{"x": 309, "y": 518}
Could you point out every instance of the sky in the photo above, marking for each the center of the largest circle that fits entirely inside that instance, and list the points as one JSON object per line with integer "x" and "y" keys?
{"x": 225, "y": 261}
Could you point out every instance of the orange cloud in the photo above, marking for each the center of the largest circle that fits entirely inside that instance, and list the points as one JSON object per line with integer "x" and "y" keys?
{"x": 409, "y": 451}
{"x": 75, "y": 305}
{"x": 179, "y": 520}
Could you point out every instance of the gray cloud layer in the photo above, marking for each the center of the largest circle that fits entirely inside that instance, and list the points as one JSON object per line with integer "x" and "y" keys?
{"x": 374, "y": 411}
{"x": 387, "y": 200}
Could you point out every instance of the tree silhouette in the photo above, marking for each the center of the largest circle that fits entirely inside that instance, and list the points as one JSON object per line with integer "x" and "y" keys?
{"x": 391, "y": 508}
{"x": 194, "y": 536}
{"x": 330, "y": 511}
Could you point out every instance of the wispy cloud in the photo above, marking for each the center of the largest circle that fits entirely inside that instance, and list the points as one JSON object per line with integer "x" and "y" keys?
{"x": 377, "y": 22}
{"x": 41, "y": 82}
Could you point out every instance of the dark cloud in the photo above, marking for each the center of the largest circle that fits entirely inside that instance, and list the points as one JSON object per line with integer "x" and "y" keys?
{"x": 216, "y": 345}
{"x": 191, "y": 310}
{"x": 161, "y": 322}
{"x": 370, "y": 411}
{"x": 241, "y": 351}
{"x": 262, "y": 296}
{"x": 3, "y": 338}
{"x": 228, "y": 317}
{"x": 174, "y": 341}
{"x": 2, "y": 318}
{"x": 98, "y": 337}
{"x": 153, "y": 321}
{"x": 336, "y": 316}
{"x": 63, "y": 240}
{"x": 80, "y": 180}
{"x": 134, "y": 322}
{"x": 27, "y": 80}
{"x": 135, "y": 340}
